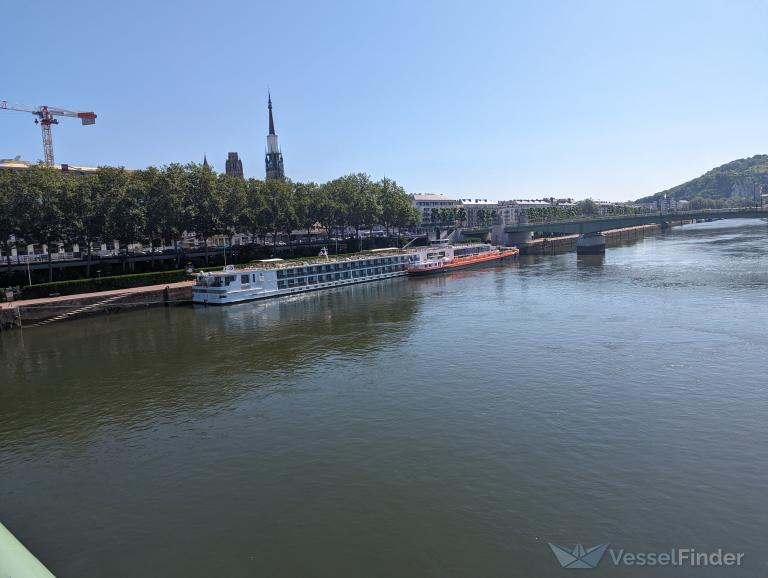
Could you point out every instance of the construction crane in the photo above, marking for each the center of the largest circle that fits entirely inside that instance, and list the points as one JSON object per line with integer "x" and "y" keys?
{"x": 45, "y": 118}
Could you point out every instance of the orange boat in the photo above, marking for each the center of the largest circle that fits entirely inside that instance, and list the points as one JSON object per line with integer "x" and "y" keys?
{"x": 441, "y": 258}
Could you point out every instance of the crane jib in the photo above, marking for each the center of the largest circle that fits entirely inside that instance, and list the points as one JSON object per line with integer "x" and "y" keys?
{"x": 45, "y": 118}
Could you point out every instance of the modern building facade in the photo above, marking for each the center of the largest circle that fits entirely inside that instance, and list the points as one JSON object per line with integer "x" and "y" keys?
{"x": 234, "y": 166}
{"x": 274, "y": 157}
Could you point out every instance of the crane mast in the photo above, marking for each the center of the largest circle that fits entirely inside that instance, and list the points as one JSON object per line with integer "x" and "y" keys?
{"x": 45, "y": 117}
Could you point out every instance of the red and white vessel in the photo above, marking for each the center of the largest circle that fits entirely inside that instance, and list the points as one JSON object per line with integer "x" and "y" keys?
{"x": 440, "y": 257}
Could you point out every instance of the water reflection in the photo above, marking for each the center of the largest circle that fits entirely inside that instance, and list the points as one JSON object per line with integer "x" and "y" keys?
{"x": 590, "y": 261}
{"x": 446, "y": 426}
{"x": 81, "y": 375}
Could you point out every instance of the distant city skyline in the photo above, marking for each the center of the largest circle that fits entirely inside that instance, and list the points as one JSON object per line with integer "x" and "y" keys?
{"x": 498, "y": 100}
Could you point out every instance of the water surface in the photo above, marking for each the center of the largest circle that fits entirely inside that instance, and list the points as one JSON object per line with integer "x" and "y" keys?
{"x": 445, "y": 427}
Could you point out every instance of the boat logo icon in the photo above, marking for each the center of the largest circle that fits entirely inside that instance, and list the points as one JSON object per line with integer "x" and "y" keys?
{"x": 579, "y": 557}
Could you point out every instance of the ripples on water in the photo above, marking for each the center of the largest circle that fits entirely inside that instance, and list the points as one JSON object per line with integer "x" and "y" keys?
{"x": 445, "y": 426}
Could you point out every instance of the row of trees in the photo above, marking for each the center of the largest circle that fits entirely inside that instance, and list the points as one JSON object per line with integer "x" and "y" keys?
{"x": 156, "y": 206}
{"x": 586, "y": 207}
{"x": 486, "y": 217}
{"x": 453, "y": 216}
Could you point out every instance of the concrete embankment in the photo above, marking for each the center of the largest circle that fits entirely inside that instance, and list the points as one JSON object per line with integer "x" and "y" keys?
{"x": 568, "y": 242}
{"x": 36, "y": 312}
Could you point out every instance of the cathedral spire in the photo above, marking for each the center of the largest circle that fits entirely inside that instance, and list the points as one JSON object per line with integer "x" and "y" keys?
{"x": 205, "y": 161}
{"x": 274, "y": 158}
{"x": 269, "y": 106}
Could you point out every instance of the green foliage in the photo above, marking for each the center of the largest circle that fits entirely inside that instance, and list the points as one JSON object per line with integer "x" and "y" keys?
{"x": 585, "y": 208}
{"x": 156, "y": 206}
{"x": 735, "y": 184}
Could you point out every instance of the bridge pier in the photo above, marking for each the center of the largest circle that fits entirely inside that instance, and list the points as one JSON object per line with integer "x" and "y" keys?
{"x": 591, "y": 244}
{"x": 519, "y": 238}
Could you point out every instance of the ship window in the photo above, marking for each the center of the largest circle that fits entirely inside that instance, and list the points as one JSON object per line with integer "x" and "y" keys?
{"x": 244, "y": 279}
{"x": 280, "y": 274}
{"x": 281, "y": 284}
{"x": 312, "y": 280}
{"x": 229, "y": 279}
{"x": 337, "y": 276}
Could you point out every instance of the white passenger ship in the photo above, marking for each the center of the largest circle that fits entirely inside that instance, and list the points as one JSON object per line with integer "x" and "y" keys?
{"x": 275, "y": 277}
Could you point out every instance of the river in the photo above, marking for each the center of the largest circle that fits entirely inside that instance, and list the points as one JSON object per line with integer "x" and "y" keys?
{"x": 447, "y": 427}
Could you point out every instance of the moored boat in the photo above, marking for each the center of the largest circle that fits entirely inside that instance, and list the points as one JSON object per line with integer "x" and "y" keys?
{"x": 442, "y": 258}
{"x": 275, "y": 277}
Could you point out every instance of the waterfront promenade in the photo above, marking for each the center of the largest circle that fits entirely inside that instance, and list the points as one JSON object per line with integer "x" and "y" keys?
{"x": 48, "y": 309}
{"x": 52, "y": 301}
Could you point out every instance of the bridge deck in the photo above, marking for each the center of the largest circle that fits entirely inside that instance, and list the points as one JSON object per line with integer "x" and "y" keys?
{"x": 591, "y": 225}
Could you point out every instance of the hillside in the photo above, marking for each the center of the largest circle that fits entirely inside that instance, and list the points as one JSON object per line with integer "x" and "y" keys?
{"x": 732, "y": 184}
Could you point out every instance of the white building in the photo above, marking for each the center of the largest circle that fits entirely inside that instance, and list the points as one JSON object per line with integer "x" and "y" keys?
{"x": 511, "y": 212}
{"x": 472, "y": 208}
{"x": 426, "y": 202}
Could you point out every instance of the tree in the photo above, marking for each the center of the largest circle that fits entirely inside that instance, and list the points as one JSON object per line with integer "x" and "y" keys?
{"x": 232, "y": 191}
{"x": 588, "y": 207}
{"x": 14, "y": 206}
{"x": 202, "y": 205}
{"x": 396, "y": 207}
{"x": 166, "y": 204}
{"x": 327, "y": 208}
{"x": 306, "y": 204}
{"x": 152, "y": 206}
{"x": 359, "y": 196}
{"x": 78, "y": 209}
{"x": 461, "y": 215}
{"x": 256, "y": 216}
{"x": 45, "y": 222}
{"x": 280, "y": 207}
{"x": 157, "y": 205}
{"x": 127, "y": 219}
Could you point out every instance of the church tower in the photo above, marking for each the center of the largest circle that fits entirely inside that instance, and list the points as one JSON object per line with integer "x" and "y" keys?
{"x": 274, "y": 158}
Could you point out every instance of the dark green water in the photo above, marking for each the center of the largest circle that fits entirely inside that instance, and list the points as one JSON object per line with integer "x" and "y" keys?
{"x": 445, "y": 427}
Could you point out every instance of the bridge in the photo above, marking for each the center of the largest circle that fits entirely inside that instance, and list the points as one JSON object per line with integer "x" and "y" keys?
{"x": 594, "y": 224}
{"x": 520, "y": 234}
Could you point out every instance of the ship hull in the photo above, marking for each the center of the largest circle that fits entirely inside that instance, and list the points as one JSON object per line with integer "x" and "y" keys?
{"x": 463, "y": 263}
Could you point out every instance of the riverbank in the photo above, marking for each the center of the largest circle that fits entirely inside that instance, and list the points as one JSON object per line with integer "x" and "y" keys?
{"x": 35, "y": 312}
{"x": 46, "y": 310}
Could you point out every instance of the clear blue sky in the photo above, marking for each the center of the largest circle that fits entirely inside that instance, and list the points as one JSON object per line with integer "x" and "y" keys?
{"x": 611, "y": 99}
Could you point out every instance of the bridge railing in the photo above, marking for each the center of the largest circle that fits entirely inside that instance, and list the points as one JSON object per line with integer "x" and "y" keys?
{"x": 593, "y": 218}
